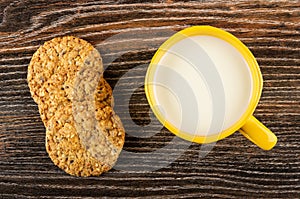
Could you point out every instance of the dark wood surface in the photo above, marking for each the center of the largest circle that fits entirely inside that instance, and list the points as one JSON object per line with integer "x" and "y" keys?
{"x": 233, "y": 168}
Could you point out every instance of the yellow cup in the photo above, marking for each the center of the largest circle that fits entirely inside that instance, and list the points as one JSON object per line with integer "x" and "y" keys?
{"x": 235, "y": 82}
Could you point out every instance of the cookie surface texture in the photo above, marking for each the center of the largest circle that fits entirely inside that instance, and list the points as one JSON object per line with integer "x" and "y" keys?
{"x": 84, "y": 136}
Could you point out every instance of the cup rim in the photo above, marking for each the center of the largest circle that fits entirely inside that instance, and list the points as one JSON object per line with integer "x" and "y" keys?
{"x": 237, "y": 44}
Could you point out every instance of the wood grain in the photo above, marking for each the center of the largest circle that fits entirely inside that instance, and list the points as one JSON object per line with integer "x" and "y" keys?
{"x": 235, "y": 168}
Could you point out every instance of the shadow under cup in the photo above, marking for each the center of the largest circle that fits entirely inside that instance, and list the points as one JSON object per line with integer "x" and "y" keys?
{"x": 203, "y": 84}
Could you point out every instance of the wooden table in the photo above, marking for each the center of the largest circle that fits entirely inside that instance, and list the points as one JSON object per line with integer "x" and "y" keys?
{"x": 127, "y": 34}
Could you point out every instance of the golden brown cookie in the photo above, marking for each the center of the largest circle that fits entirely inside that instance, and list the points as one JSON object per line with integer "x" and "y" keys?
{"x": 83, "y": 134}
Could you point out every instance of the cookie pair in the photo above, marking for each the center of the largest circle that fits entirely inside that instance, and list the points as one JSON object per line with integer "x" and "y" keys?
{"x": 84, "y": 136}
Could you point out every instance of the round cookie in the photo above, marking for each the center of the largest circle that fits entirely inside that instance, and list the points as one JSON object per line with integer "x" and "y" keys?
{"x": 83, "y": 134}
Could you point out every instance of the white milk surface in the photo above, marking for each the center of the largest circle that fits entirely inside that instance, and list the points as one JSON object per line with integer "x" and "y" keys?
{"x": 203, "y": 85}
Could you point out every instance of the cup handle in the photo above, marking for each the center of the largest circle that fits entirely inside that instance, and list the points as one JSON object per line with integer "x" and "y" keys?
{"x": 257, "y": 133}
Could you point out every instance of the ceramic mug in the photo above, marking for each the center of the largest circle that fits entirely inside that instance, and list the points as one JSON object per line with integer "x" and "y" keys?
{"x": 203, "y": 84}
